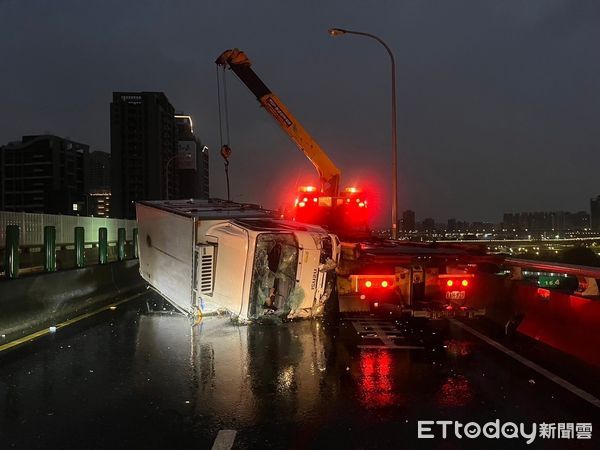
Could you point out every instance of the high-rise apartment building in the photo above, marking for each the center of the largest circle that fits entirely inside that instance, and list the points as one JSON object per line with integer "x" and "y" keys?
{"x": 44, "y": 174}
{"x": 191, "y": 162}
{"x": 595, "y": 213}
{"x": 99, "y": 171}
{"x": 408, "y": 221}
{"x": 143, "y": 141}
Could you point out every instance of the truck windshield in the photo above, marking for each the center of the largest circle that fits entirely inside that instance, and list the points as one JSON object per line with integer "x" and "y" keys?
{"x": 273, "y": 274}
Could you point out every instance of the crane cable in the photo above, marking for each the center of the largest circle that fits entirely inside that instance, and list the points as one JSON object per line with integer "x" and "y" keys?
{"x": 225, "y": 148}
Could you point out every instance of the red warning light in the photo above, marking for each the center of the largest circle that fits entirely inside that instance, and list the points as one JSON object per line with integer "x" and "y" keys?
{"x": 450, "y": 283}
{"x": 465, "y": 283}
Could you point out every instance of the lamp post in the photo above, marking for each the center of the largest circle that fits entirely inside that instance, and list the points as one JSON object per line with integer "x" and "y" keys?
{"x": 338, "y": 32}
{"x": 169, "y": 161}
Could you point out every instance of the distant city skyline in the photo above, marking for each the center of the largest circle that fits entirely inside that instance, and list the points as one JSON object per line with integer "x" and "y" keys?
{"x": 497, "y": 101}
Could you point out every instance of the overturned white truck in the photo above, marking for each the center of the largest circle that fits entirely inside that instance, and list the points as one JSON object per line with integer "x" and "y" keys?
{"x": 213, "y": 255}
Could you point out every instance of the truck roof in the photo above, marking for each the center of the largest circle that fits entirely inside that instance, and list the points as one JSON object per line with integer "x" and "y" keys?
{"x": 273, "y": 224}
{"x": 210, "y": 209}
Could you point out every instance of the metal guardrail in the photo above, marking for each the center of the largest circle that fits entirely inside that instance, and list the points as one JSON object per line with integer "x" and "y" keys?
{"x": 542, "y": 266}
{"x": 24, "y": 231}
{"x": 32, "y": 226}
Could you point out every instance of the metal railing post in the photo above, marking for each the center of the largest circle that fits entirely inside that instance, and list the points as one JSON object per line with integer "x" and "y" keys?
{"x": 135, "y": 243}
{"x": 11, "y": 252}
{"x": 102, "y": 245}
{"x": 121, "y": 243}
{"x": 49, "y": 248}
{"x": 79, "y": 247}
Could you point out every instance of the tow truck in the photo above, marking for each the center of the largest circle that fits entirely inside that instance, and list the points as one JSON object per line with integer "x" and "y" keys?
{"x": 371, "y": 271}
{"x": 343, "y": 213}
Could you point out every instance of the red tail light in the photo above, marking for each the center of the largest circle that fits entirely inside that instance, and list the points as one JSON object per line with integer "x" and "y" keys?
{"x": 450, "y": 283}
{"x": 384, "y": 284}
{"x": 465, "y": 283}
{"x": 368, "y": 283}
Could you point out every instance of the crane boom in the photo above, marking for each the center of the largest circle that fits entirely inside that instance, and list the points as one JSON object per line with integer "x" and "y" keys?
{"x": 329, "y": 174}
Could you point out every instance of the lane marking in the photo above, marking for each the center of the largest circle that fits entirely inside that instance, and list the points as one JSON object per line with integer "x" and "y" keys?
{"x": 38, "y": 334}
{"x": 539, "y": 369}
{"x": 224, "y": 440}
{"x": 388, "y": 338}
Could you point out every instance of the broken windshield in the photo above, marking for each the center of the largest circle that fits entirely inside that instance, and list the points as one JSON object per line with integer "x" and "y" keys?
{"x": 273, "y": 274}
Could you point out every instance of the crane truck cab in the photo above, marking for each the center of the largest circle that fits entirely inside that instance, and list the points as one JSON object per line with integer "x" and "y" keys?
{"x": 205, "y": 256}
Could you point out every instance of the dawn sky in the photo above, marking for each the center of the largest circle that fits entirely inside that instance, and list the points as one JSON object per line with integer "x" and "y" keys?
{"x": 498, "y": 101}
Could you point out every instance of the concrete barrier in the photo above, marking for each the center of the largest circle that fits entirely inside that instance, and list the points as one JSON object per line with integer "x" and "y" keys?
{"x": 567, "y": 322}
{"x": 30, "y": 304}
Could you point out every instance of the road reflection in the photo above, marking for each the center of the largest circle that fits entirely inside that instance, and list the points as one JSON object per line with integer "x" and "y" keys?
{"x": 375, "y": 379}
{"x": 238, "y": 372}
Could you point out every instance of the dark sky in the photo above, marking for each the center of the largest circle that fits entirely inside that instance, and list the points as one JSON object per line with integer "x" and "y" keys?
{"x": 498, "y": 101}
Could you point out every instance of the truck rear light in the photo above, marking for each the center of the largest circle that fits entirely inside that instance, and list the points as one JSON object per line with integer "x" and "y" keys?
{"x": 465, "y": 283}
{"x": 315, "y": 199}
{"x": 449, "y": 283}
{"x": 368, "y": 283}
{"x": 301, "y": 204}
{"x": 384, "y": 284}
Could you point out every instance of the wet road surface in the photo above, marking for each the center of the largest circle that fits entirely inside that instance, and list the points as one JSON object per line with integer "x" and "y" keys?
{"x": 141, "y": 376}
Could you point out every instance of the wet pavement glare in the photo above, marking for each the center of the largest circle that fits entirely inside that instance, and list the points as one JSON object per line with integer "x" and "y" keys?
{"x": 141, "y": 376}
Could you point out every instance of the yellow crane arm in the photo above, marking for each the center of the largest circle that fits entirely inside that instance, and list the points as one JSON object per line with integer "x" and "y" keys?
{"x": 329, "y": 174}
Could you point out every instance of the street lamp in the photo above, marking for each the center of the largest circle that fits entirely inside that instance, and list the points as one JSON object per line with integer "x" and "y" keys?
{"x": 338, "y": 32}
{"x": 170, "y": 160}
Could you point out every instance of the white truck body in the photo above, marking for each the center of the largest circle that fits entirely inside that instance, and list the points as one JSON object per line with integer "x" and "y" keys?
{"x": 211, "y": 255}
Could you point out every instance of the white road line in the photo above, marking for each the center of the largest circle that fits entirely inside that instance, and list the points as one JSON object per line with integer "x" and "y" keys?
{"x": 45, "y": 331}
{"x": 539, "y": 369}
{"x": 224, "y": 440}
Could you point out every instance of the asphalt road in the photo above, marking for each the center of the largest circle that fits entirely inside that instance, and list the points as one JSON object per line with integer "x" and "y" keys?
{"x": 141, "y": 376}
